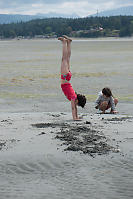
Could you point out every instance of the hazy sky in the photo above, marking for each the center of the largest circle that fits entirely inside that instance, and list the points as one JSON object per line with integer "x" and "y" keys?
{"x": 80, "y": 7}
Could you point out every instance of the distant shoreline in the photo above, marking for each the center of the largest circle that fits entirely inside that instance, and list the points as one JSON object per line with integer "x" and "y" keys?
{"x": 74, "y": 38}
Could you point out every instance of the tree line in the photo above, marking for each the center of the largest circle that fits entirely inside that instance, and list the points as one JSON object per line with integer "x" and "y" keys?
{"x": 120, "y": 26}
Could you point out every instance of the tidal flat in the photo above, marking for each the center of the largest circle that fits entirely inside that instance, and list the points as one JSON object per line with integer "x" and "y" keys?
{"x": 30, "y": 70}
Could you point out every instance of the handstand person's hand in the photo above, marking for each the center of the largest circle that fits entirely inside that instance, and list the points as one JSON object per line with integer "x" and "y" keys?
{"x": 78, "y": 119}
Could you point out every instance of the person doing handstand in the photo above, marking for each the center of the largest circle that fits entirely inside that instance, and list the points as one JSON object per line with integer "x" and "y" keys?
{"x": 105, "y": 100}
{"x": 76, "y": 99}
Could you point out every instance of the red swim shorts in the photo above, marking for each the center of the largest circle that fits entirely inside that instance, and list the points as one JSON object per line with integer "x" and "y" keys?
{"x": 69, "y": 91}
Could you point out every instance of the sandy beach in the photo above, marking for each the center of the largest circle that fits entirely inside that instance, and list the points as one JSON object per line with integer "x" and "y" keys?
{"x": 20, "y": 130}
{"x": 39, "y": 151}
{"x": 43, "y": 152}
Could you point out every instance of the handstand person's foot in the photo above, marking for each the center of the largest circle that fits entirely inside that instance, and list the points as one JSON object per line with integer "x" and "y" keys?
{"x": 66, "y": 37}
{"x": 62, "y": 39}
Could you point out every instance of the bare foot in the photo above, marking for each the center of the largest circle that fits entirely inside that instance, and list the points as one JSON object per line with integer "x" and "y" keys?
{"x": 61, "y": 39}
{"x": 66, "y": 37}
{"x": 103, "y": 112}
{"x": 113, "y": 112}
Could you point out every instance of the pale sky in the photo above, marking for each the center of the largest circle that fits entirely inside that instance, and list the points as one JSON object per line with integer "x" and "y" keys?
{"x": 80, "y": 7}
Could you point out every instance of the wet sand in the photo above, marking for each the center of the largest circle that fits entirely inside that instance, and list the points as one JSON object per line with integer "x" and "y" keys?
{"x": 37, "y": 149}
{"x": 90, "y": 136}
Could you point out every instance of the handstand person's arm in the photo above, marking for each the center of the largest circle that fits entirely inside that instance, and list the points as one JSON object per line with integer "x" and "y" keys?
{"x": 74, "y": 111}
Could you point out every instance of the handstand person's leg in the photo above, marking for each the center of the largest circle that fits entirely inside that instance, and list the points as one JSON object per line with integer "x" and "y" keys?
{"x": 69, "y": 40}
{"x": 68, "y": 52}
{"x": 64, "y": 62}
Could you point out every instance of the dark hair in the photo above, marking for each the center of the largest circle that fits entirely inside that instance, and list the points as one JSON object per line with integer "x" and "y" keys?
{"x": 107, "y": 92}
{"x": 81, "y": 100}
